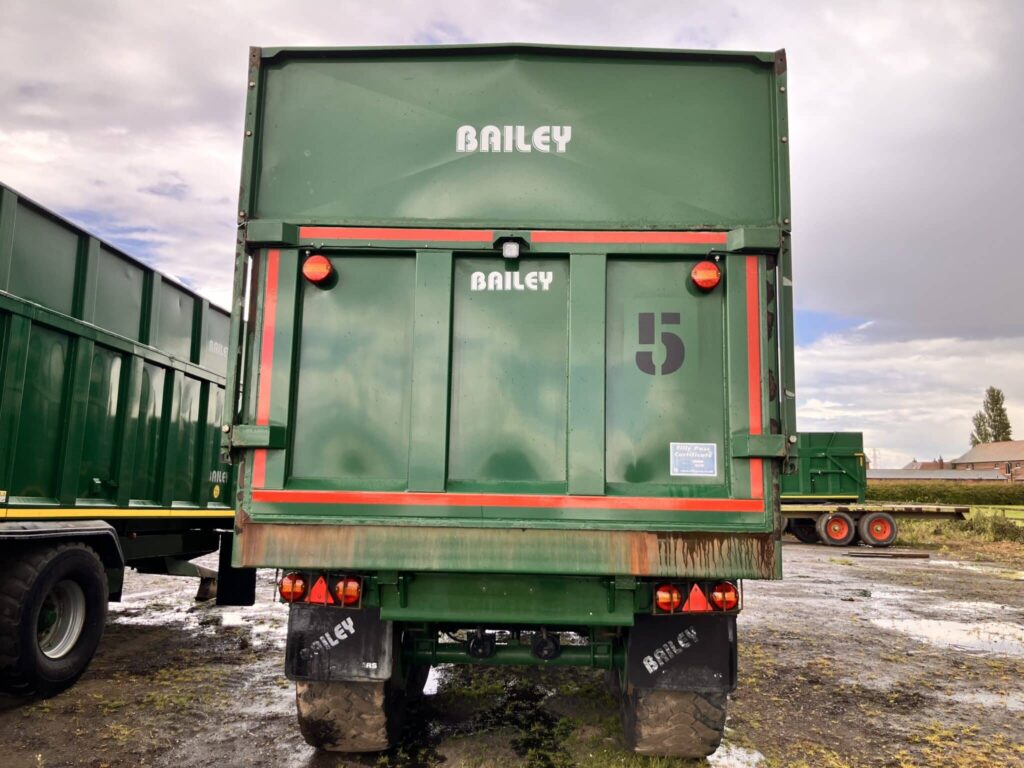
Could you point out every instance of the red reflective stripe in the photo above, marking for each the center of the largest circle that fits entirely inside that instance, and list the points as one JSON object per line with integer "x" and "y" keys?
{"x": 754, "y": 370}
{"x": 618, "y": 236}
{"x": 259, "y": 467}
{"x": 396, "y": 233}
{"x": 401, "y": 498}
{"x": 267, "y": 339}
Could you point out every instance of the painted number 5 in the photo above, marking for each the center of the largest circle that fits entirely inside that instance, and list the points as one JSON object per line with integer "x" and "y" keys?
{"x": 674, "y": 350}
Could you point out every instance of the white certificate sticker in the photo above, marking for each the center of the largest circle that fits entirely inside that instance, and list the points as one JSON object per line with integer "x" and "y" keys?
{"x": 693, "y": 459}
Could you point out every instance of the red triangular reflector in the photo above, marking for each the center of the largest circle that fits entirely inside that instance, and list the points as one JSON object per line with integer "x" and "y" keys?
{"x": 695, "y": 603}
{"x": 320, "y": 593}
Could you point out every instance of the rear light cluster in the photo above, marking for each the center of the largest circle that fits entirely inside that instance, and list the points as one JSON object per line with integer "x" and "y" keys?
{"x": 346, "y": 591}
{"x": 720, "y": 597}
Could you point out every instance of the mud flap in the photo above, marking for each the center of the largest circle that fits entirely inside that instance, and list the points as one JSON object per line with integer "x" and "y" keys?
{"x": 682, "y": 653}
{"x": 326, "y": 643}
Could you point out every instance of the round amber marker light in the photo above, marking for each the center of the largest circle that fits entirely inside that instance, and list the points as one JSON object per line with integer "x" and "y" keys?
{"x": 706, "y": 275}
{"x": 317, "y": 268}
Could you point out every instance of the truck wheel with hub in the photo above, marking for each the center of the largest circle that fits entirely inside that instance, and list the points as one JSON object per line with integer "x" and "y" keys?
{"x": 877, "y": 529}
{"x": 804, "y": 530}
{"x": 673, "y": 723}
{"x": 53, "y": 605}
{"x": 836, "y": 529}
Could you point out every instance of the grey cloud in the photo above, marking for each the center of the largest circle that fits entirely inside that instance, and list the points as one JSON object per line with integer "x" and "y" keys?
{"x": 904, "y": 123}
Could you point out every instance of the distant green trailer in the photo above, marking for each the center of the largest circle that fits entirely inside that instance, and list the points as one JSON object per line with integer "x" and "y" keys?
{"x": 829, "y": 467}
{"x": 111, "y": 399}
{"x": 824, "y": 498}
{"x": 519, "y": 370}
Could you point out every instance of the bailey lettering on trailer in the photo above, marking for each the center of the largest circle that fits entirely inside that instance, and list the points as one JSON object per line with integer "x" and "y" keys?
{"x": 342, "y": 631}
{"x": 668, "y": 651}
{"x": 513, "y": 138}
{"x": 511, "y": 281}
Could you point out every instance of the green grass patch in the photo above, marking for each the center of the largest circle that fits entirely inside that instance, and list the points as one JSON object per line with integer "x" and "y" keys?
{"x": 983, "y": 525}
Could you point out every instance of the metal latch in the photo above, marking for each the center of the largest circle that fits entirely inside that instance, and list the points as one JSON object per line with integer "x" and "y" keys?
{"x": 758, "y": 446}
{"x": 258, "y": 436}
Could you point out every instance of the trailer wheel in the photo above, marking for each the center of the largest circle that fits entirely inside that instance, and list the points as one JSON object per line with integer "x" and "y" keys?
{"x": 673, "y": 723}
{"x": 836, "y": 529}
{"x": 53, "y": 605}
{"x": 877, "y": 529}
{"x": 349, "y": 716}
{"x": 804, "y": 530}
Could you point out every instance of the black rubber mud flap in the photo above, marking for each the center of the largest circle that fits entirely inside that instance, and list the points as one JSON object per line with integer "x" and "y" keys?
{"x": 328, "y": 643}
{"x": 684, "y": 652}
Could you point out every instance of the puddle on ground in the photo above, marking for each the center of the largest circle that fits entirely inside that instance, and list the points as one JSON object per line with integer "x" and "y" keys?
{"x": 987, "y": 568}
{"x": 1014, "y": 702}
{"x": 430, "y": 687}
{"x": 984, "y": 636}
{"x": 731, "y": 756}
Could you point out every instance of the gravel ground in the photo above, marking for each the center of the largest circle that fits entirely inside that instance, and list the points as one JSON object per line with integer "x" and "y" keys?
{"x": 847, "y": 662}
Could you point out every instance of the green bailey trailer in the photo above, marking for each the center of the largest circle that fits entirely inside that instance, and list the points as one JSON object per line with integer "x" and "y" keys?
{"x": 518, "y": 363}
{"x": 824, "y": 498}
{"x": 111, "y": 400}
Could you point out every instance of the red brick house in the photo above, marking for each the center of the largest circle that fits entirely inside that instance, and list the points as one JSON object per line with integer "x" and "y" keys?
{"x": 1007, "y": 457}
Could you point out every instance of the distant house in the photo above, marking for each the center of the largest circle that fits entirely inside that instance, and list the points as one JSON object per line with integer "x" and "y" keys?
{"x": 1006, "y": 457}
{"x": 939, "y": 463}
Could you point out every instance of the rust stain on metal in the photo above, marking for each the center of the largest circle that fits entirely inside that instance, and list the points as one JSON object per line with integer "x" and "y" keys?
{"x": 495, "y": 550}
{"x": 638, "y": 555}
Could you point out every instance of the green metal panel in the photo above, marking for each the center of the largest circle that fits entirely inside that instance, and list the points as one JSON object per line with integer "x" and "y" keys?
{"x": 119, "y": 294}
{"x": 8, "y": 212}
{"x": 45, "y": 259}
{"x": 356, "y": 355}
{"x": 188, "y": 445}
{"x": 483, "y": 598}
{"x": 213, "y": 354}
{"x": 654, "y": 308}
{"x": 509, "y": 364}
{"x": 176, "y": 313}
{"x": 73, "y": 438}
{"x": 215, "y": 485}
{"x": 830, "y": 466}
{"x": 586, "y": 423}
{"x": 152, "y": 427}
{"x": 97, "y": 478}
{"x": 658, "y": 138}
{"x": 428, "y": 433}
{"x": 43, "y": 405}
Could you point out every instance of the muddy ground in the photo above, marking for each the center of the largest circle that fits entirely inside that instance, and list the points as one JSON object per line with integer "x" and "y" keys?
{"x": 848, "y": 662}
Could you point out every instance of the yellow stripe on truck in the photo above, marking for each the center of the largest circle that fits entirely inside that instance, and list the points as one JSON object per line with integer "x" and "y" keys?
{"x": 35, "y": 513}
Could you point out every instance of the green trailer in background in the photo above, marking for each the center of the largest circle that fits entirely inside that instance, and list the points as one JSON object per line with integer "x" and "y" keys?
{"x": 517, "y": 381}
{"x": 111, "y": 399}
{"x": 829, "y": 466}
{"x": 824, "y": 498}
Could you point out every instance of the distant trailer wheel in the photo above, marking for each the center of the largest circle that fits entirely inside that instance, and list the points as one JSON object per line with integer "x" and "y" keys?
{"x": 836, "y": 529}
{"x": 877, "y": 529}
{"x": 804, "y": 530}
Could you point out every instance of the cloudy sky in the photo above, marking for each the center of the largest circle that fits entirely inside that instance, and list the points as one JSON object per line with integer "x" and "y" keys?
{"x": 907, "y": 160}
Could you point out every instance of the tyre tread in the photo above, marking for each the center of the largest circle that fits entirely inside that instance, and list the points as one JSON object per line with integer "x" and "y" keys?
{"x": 344, "y": 716}
{"x": 674, "y": 723}
{"x": 15, "y": 584}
